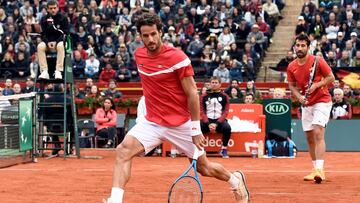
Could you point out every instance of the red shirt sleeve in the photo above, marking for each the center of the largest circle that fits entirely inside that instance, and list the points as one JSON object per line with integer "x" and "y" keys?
{"x": 185, "y": 71}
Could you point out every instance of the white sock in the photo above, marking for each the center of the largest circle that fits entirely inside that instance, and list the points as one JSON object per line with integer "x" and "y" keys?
{"x": 314, "y": 163}
{"x": 319, "y": 164}
{"x": 234, "y": 181}
{"x": 117, "y": 195}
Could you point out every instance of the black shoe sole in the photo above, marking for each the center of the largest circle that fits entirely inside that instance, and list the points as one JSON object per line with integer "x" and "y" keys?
{"x": 318, "y": 179}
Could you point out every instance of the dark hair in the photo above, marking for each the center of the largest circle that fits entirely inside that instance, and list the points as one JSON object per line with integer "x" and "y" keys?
{"x": 52, "y": 3}
{"x": 149, "y": 19}
{"x": 250, "y": 94}
{"x": 303, "y": 37}
{"x": 112, "y": 103}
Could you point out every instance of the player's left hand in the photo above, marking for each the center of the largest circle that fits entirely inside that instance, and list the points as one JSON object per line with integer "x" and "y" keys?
{"x": 199, "y": 141}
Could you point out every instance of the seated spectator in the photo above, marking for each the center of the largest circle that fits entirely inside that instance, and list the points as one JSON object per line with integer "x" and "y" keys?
{"x": 258, "y": 35}
{"x": 341, "y": 109}
{"x": 356, "y": 60}
{"x": 348, "y": 92}
{"x": 272, "y": 9}
{"x": 195, "y": 47}
{"x": 112, "y": 92}
{"x": 108, "y": 48}
{"x": 301, "y": 27}
{"x": 345, "y": 59}
{"x": 234, "y": 84}
{"x": 106, "y": 122}
{"x": 22, "y": 65}
{"x": 226, "y": 37}
{"x": 92, "y": 66}
{"x": 34, "y": 66}
{"x": 88, "y": 84}
{"x": 248, "y": 68}
{"x": 249, "y": 98}
{"x": 17, "y": 88}
{"x": 94, "y": 93}
{"x": 107, "y": 74}
{"x": 7, "y": 66}
{"x": 236, "y": 70}
{"x": 29, "y": 85}
{"x": 279, "y": 93}
{"x": 222, "y": 72}
{"x": 332, "y": 27}
{"x": 214, "y": 107}
{"x": 284, "y": 62}
{"x": 124, "y": 55}
{"x": 234, "y": 96}
{"x": 250, "y": 88}
{"x": 123, "y": 74}
{"x": 336, "y": 84}
{"x": 78, "y": 65}
{"x": 8, "y": 89}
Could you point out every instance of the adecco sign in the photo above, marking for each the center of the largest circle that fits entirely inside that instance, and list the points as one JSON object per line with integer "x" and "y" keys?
{"x": 277, "y": 108}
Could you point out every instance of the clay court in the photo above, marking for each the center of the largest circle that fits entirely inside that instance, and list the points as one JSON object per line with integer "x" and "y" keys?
{"x": 89, "y": 180}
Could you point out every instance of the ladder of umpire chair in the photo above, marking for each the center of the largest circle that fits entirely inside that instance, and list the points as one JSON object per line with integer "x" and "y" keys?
{"x": 41, "y": 105}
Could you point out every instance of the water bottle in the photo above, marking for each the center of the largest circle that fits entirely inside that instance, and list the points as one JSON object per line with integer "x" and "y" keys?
{"x": 260, "y": 149}
{"x": 291, "y": 149}
{"x": 269, "y": 147}
{"x": 254, "y": 151}
{"x": 173, "y": 153}
{"x": 158, "y": 151}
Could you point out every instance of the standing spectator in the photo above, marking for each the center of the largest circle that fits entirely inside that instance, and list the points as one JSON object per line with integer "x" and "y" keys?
{"x": 112, "y": 92}
{"x": 341, "y": 109}
{"x": 214, "y": 108}
{"x": 34, "y": 66}
{"x": 222, "y": 72}
{"x": 92, "y": 66}
{"x": 106, "y": 122}
{"x": 8, "y": 89}
{"x": 107, "y": 74}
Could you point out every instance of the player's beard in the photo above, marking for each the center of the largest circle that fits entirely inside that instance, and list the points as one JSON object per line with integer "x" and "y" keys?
{"x": 153, "y": 47}
{"x": 300, "y": 54}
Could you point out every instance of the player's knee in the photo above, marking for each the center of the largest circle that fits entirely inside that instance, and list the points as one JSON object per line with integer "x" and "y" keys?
{"x": 122, "y": 153}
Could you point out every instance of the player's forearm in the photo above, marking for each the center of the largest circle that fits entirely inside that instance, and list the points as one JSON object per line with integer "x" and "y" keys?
{"x": 326, "y": 81}
{"x": 295, "y": 91}
{"x": 194, "y": 106}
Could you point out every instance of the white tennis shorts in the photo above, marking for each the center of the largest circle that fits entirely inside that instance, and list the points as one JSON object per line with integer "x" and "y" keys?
{"x": 317, "y": 114}
{"x": 150, "y": 135}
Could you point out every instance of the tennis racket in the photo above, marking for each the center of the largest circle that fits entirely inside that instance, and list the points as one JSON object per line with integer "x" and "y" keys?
{"x": 312, "y": 76}
{"x": 187, "y": 188}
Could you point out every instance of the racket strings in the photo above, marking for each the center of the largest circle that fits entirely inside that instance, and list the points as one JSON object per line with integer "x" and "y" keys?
{"x": 186, "y": 190}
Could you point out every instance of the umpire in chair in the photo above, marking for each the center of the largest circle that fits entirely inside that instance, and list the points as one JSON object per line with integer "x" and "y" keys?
{"x": 55, "y": 26}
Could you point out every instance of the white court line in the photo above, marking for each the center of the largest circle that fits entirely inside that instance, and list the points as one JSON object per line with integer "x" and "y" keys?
{"x": 174, "y": 170}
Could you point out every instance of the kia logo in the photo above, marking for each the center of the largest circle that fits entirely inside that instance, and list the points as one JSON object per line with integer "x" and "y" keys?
{"x": 276, "y": 108}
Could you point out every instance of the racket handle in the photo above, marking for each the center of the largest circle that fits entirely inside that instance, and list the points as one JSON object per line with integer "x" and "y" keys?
{"x": 196, "y": 153}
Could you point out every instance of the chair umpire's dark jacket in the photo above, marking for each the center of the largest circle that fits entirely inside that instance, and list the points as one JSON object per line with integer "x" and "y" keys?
{"x": 49, "y": 34}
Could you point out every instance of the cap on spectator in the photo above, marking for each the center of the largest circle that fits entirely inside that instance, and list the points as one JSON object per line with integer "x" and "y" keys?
{"x": 255, "y": 26}
{"x": 353, "y": 34}
{"x": 301, "y": 18}
{"x": 222, "y": 62}
{"x": 340, "y": 34}
{"x": 97, "y": 26}
{"x": 215, "y": 18}
{"x": 212, "y": 35}
{"x": 172, "y": 28}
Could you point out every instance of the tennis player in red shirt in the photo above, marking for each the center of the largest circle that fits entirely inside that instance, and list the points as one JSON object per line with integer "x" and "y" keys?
{"x": 316, "y": 106}
{"x": 173, "y": 112}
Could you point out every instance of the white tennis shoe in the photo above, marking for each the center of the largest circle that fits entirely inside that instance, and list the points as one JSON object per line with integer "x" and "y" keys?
{"x": 241, "y": 192}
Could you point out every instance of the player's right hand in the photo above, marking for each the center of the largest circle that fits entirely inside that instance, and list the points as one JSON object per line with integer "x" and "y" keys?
{"x": 199, "y": 141}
